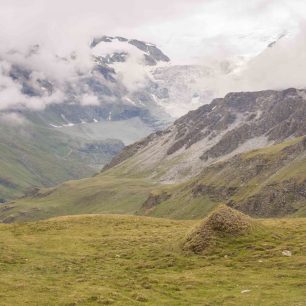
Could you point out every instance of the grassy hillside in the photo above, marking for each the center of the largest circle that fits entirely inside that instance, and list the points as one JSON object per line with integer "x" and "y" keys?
{"x": 99, "y": 194}
{"x": 33, "y": 155}
{"x": 265, "y": 182}
{"x": 32, "y": 158}
{"x": 126, "y": 260}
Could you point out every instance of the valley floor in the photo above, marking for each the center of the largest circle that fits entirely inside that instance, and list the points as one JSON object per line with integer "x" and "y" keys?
{"x": 128, "y": 260}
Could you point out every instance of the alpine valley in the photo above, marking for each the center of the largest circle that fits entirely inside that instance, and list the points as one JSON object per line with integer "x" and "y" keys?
{"x": 55, "y": 129}
{"x": 126, "y": 179}
{"x": 246, "y": 150}
{"x": 117, "y": 91}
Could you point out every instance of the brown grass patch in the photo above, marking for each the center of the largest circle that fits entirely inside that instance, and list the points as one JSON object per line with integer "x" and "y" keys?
{"x": 222, "y": 222}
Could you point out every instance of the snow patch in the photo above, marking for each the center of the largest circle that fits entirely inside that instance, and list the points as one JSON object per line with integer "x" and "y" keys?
{"x": 109, "y": 116}
{"x": 130, "y": 101}
{"x": 55, "y": 126}
{"x": 68, "y": 124}
{"x": 195, "y": 100}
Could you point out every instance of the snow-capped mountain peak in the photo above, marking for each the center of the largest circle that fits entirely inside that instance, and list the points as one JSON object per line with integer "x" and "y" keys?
{"x": 116, "y": 49}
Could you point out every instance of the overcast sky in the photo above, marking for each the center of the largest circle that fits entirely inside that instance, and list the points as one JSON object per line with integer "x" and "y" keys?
{"x": 187, "y": 30}
{"x": 208, "y": 32}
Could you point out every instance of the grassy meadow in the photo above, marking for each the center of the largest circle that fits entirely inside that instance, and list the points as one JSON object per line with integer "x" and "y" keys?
{"x": 130, "y": 260}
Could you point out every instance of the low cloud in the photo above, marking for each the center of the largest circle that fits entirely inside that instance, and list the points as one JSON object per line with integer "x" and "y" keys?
{"x": 132, "y": 72}
{"x": 52, "y": 39}
{"x": 12, "y": 96}
{"x": 12, "y": 119}
{"x": 281, "y": 66}
{"x": 89, "y": 99}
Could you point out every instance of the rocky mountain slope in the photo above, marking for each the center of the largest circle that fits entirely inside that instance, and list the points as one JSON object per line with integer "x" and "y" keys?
{"x": 267, "y": 182}
{"x": 238, "y": 123}
{"x": 250, "y": 154}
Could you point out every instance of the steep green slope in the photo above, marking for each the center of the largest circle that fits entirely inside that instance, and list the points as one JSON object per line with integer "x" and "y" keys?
{"x": 32, "y": 155}
{"x": 127, "y": 260}
{"x": 266, "y": 182}
{"x": 100, "y": 194}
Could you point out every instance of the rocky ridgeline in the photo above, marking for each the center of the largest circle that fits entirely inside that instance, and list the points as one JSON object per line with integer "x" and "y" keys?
{"x": 276, "y": 115}
{"x": 246, "y": 150}
{"x": 152, "y": 54}
{"x": 237, "y": 123}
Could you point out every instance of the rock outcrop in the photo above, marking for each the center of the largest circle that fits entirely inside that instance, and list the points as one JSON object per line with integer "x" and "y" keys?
{"x": 238, "y": 123}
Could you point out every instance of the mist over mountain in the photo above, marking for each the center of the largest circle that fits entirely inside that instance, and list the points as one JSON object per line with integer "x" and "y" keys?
{"x": 51, "y": 47}
{"x": 115, "y": 91}
{"x": 153, "y": 152}
{"x": 112, "y": 71}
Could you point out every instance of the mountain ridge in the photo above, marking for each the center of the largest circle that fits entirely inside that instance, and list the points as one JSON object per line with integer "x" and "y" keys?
{"x": 264, "y": 178}
{"x": 240, "y": 122}
{"x": 89, "y": 111}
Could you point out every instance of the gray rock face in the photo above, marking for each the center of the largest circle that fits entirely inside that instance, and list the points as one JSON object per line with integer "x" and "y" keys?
{"x": 275, "y": 115}
{"x": 152, "y": 54}
{"x": 251, "y": 184}
{"x": 238, "y": 123}
{"x": 151, "y": 50}
{"x": 106, "y": 38}
{"x": 22, "y": 75}
{"x": 204, "y": 148}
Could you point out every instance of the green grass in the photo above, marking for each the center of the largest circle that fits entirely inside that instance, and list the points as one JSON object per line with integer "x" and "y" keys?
{"x": 272, "y": 150}
{"x": 99, "y": 194}
{"x": 126, "y": 260}
{"x": 120, "y": 191}
{"x": 183, "y": 206}
{"x": 33, "y": 155}
{"x": 105, "y": 194}
{"x": 36, "y": 156}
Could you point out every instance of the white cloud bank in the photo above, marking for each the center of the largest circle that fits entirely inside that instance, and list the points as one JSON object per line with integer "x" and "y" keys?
{"x": 194, "y": 31}
{"x": 88, "y": 99}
